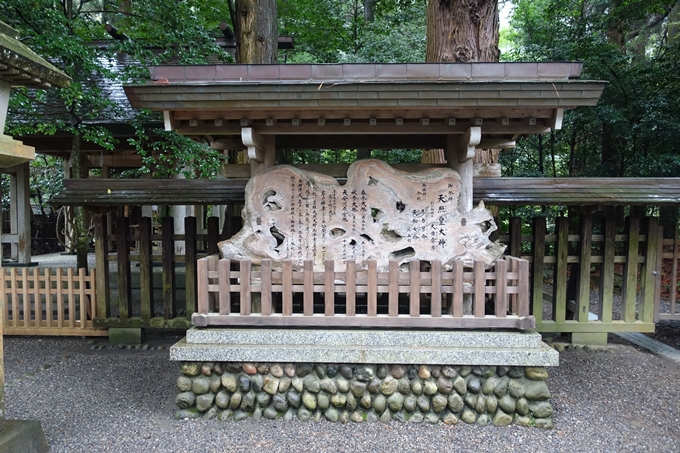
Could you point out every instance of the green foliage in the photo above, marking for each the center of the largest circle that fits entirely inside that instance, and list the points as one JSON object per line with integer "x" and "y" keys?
{"x": 335, "y": 31}
{"x": 632, "y": 130}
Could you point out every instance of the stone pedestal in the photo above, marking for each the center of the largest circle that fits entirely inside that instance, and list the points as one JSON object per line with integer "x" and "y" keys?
{"x": 346, "y": 375}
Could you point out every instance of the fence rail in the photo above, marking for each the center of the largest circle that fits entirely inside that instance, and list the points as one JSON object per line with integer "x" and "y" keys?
{"x": 239, "y": 294}
{"x": 42, "y": 301}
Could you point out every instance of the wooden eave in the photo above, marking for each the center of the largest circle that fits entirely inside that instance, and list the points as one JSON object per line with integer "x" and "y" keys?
{"x": 20, "y": 66}
{"x": 493, "y": 191}
{"x": 316, "y": 104}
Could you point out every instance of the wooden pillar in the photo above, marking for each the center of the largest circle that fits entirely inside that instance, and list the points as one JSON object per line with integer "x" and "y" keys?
{"x": 261, "y": 150}
{"x": 460, "y": 152}
{"x": 101, "y": 251}
{"x": 20, "y": 213}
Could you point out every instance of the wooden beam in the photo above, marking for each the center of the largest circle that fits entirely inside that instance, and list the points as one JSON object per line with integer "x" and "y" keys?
{"x": 468, "y": 142}
{"x": 254, "y": 142}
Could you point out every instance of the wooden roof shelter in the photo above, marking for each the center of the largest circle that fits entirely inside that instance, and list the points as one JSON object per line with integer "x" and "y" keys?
{"x": 456, "y": 107}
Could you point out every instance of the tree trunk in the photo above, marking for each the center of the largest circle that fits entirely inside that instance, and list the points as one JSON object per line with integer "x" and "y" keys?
{"x": 369, "y": 10}
{"x": 80, "y": 232}
{"x": 256, "y": 31}
{"x": 462, "y": 31}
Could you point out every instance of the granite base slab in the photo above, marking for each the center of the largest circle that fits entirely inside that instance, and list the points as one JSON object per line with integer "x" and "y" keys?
{"x": 365, "y": 347}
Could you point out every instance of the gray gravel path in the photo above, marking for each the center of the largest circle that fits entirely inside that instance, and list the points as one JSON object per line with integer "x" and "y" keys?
{"x": 122, "y": 401}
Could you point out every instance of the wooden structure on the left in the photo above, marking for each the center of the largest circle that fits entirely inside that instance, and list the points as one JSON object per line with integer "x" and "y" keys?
{"x": 19, "y": 66}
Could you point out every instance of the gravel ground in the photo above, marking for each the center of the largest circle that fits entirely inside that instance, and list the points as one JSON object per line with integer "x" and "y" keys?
{"x": 123, "y": 400}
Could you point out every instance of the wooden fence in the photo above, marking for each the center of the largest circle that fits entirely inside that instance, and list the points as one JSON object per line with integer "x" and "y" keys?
{"x": 142, "y": 248}
{"x": 669, "y": 273}
{"x": 575, "y": 264}
{"x": 247, "y": 296}
{"x": 42, "y": 301}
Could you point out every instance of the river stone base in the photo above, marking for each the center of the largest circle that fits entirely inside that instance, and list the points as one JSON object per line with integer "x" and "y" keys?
{"x": 498, "y": 395}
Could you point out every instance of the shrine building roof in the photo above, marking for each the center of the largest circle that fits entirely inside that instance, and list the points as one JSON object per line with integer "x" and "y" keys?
{"x": 329, "y": 106}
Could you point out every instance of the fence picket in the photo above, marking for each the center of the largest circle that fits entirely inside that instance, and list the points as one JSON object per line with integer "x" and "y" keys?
{"x": 71, "y": 299}
{"x": 372, "y": 288}
{"x": 244, "y": 282}
{"x": 501, "y": 288}
{"x": 630, "y": 269}
{"x": 586, "y": 245}
{"x": 60, "y": 298}
{"x": 393, "y": 309}
{"x": 457, "y": 289}
{"x": 436, "y": 291}
{"x": 225, "y": 294}
{"x": 329, "y": 288}
{"x": 350, "y": 284}
{"x": 287, "y": 283}
{"x": 414, "y": 284}
{"x": 480, "y": 283}
{"x": 266, "y": 287}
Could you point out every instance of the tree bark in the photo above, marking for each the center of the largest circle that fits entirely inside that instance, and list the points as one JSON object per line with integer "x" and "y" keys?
{"x": 462, "y": 31}
{"x": 256, "y": 31}
{"x": 80, "y": 232}
{"x": 369, "y": 10}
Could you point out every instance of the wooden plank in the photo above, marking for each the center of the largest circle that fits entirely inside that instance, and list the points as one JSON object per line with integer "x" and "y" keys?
{"x": 308, "y": 292}
{"x": 266, "y": 287}
{"x": 81, "y": 296}
{"x": 93, "y": 293}
{"x": 606, "y": 290}
{"x": 60, "y": 298}
{"x": 14, "y": 297}
{"x": 594, "y": 327}
{"x": 202, "y": 276}
{"x": 49, "y": 305}
{"x": 659, "y": 265}
{"x": 25, "y": 296}
{"x": 190, "y": 254}
{"x": 145, "y": 268}
{"x": 37, "y": 300}
{"x": 538, "y": 267}
{"x": 523, "y": 289}
{"x": 515, "y": 236}
{"x": 168, "y": 265}
{"x": 649, "y": 274}
{"x": 393, "y": 308}
{"x": 585, "y": 249}
{"x": 414, "y": 286}
{"x": 559, "y": 310}
{"x": 287, "y": 278}
{"x": 480, "y": 283}
{"x": 380, "y": 321}
{"x": 457, "y": 289}
{"x": 329, "y": 288}
{"x": 436, "y": 294}
{"x": 350, "y": 288}
{"x": 5, "y": 296}
{"x": 501, "y": 288}
{"x": 244, "y": 284}
{"x": 372, "y": 288}
{"x": 101, "y": 251}
{"x": 71, "y": 298}
{"x": 630, "y": 270}
{"x": 123, "y": 260}
{"x": 225, "y": 294}
{"x": 213, "y": 235}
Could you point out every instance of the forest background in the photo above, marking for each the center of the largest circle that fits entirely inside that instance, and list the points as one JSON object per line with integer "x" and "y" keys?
{"x": 632, "y": 44}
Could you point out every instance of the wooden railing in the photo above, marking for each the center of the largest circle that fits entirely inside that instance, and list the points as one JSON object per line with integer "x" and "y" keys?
{"x": 623, "y": 268}
{"x": 237, "y": 294}
{"x": 41, "y": 301}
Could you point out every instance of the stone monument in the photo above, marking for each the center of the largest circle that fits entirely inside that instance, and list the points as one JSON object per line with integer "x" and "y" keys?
{"x": 379, "y": 214}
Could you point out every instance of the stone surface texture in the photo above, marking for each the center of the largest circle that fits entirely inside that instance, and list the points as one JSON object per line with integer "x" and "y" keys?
{"x": 323, "y": 396}
{"x": 380, "y": 214}
{"x": 368, "y": 347}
